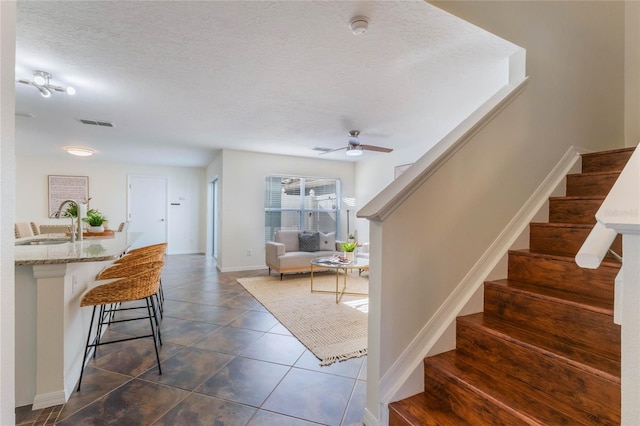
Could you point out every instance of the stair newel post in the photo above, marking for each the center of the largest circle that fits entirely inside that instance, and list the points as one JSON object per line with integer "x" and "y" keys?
{"x": 630, "y": 300}
{"x": 620, "y": 212}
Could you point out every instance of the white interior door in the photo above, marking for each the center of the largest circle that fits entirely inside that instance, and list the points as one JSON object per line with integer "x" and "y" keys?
{"x": 214, "y": 218}
{"x": 147, "y": 203}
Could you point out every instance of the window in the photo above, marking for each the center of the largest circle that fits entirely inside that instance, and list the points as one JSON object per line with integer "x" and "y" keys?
{"x": 303, "y": 203}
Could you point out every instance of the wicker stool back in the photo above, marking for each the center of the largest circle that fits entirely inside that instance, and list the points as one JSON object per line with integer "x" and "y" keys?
{"x": 160, "y": 247}
{"x": 144, "y": 255}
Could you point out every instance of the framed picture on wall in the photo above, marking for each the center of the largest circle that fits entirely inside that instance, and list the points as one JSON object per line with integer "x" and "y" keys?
{"x": 67, "y": 188}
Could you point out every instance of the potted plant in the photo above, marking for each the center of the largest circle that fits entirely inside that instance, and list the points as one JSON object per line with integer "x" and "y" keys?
{"x": 72, "y": 209}
{"x": 349, "y": 250}
{"x": 95, "y": 220}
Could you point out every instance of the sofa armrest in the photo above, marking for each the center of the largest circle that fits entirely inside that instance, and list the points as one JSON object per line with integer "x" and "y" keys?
{"x": 339, "y": 245}
{"x": 272, "y": 251}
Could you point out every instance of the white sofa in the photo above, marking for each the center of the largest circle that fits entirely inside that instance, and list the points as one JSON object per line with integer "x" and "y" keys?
{"x": 285, "y": 254}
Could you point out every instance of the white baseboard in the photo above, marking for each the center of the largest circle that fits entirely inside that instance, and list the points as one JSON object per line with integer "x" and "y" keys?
{"x": 242, "y": 268}
{"x": 169, "y": 253}
{"x": 369, "y": 419}
{"x": 49, "y": 399}
{"x": 391, "y": 382}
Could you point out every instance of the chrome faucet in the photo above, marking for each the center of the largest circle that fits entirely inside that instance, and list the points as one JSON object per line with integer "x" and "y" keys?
{"x": 79, "y": 230}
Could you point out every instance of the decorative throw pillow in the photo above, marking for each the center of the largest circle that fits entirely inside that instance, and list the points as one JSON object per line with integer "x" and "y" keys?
{"x": 309, "y": 242}
{"x": 328, "y": 241}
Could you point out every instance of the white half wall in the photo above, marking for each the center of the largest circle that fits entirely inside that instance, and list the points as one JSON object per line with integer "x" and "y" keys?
{"x": 108, "y": 192}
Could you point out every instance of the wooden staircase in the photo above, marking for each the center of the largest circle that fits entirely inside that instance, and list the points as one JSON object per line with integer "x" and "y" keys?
{"x": 545, "y": 351}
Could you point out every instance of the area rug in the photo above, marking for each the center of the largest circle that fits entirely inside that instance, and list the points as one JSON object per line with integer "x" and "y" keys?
{"x": 333, "y": 332}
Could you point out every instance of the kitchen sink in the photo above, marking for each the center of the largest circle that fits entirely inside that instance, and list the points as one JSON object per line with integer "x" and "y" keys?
{"x": 49, "y": 241}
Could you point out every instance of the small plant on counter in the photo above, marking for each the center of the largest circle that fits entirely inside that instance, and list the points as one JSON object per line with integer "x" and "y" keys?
{"x": 94, "y": 218}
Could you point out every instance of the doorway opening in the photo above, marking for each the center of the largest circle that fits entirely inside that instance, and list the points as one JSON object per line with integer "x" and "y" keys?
{"x": 213, "y": 219}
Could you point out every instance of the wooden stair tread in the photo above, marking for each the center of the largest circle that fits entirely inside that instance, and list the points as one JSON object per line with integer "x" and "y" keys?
{"x": 612, "y": 263}
{"x": 609, "y": 152}
{"x": 559, "y": 296}
{"x": 591, "y": 183}
{"x": 562, "y": 225}
{"x": 528, "y": 405}
{"x": 578, "y": 198}
{"x": 578, "y": 356}
{"x": 423, "y": 409}
{"x": 614, "y": 159}
{"x": 563, "y": 238}
{"x": 579, "y": 324}
{"x": 605, "y": 173}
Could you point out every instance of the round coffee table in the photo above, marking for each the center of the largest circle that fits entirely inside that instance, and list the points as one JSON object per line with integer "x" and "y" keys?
{"x": 328, "y": 263}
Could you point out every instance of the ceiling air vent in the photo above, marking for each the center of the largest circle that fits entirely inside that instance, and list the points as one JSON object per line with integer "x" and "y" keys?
{"x": 322, "y": 149}
{"x": 96, "y": 122}
{"x": 24, "y": 114}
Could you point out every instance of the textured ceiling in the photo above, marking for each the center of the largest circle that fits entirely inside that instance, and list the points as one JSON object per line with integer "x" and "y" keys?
{"x": 183, "y": 79}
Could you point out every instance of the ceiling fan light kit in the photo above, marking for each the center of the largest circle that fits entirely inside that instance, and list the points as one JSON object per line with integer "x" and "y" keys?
{"x": 354, "y": 150}
{"x": 354, "y": 147}
{"x": 42, "y": 82}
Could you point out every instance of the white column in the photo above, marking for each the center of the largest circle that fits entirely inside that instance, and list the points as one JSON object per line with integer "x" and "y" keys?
{"x": 50, "y": 335}
{"x": 631, "y": 329}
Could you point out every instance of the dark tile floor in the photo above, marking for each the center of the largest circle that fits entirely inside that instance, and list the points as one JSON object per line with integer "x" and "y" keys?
{"x": 225, "y": 361}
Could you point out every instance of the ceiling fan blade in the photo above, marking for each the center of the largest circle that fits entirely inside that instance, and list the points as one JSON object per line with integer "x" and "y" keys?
{"x": 332, "y": 150}
{"x": 376, "y": 148}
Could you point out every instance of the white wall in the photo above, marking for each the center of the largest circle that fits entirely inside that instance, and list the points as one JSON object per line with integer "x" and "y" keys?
{"x": 7, "y": 194}
{"x": 241, "y": 190}
{"x": 632, "y": 73}
{"x": 375, "y": 171}
{"x": 108, "y": 192}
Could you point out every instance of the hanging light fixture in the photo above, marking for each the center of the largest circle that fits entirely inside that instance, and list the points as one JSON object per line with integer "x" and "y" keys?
{"x": 42, "y": 81}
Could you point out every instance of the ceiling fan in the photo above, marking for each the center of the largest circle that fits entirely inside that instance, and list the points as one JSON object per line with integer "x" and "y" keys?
{"x": 354, "y": 147}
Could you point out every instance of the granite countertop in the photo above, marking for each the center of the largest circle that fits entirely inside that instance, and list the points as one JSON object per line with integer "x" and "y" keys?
{"x": 88, "y": 250}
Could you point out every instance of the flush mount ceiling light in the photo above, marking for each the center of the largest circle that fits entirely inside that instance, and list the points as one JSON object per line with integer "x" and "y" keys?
{"x": 42, "y": 82}
{"x": 79, "y": 151}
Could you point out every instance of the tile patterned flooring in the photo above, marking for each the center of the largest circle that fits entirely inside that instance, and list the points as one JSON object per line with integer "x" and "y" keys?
{"x": 225, "y": 361}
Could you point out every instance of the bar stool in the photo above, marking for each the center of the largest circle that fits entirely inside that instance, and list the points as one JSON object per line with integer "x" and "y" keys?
{"x": 141, "y": 286}
{"x": 123, "y": 270}
{"x": 144, "y": 257}
{"x": 142, "y": 252}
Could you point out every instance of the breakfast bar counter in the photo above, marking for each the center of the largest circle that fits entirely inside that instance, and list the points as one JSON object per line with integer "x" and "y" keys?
{"x": 48, "y": 249}
{"x": 50, "y": 277}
